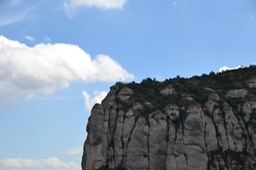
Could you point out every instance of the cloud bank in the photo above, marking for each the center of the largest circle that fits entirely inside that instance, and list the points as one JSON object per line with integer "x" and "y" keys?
{"x": 37, "y": 164}
{"x": 46, "y": 68}
{"x": 71, "y": 5}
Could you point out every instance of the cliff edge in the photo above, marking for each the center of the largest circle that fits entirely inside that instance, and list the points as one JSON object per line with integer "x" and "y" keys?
{"x": 205, "y": 122}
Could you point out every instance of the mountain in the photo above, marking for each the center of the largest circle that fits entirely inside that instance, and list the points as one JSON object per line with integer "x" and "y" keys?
{"x": 204, "y": 122}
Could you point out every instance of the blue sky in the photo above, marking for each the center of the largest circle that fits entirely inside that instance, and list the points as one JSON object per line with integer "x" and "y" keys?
{"x": 57, "y": 58}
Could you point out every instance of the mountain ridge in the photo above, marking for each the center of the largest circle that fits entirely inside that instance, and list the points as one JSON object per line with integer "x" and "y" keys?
{"x": 202, "y": 122}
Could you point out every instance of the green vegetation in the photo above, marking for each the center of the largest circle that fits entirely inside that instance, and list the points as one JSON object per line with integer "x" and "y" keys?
{"x": 197, "y": 87}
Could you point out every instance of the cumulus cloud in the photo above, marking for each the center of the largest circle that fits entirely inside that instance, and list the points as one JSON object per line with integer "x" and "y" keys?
{"x": 225, "y": 68}
{"x": 98, "y": 96}
{"x": 71, "y": 5}
{"x": 37, "y": 164}
{"x": 48, "y": 67}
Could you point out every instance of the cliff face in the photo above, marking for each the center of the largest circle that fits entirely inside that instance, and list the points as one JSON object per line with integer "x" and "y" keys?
{"x": 206, "y": 122}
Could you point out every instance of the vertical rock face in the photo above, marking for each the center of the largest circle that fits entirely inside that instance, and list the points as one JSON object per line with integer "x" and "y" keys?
{"x": 200, "y": 123}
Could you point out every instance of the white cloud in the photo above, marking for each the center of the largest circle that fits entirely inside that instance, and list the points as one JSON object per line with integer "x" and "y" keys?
{"x": 91, "y": 101}
{"x": 75, "y": 151}
{"x": 37, "y": 164}
{"x": 71, "y": 5}
{"x": 29, "y": 38}
{"x": 225, "y": 68}
{"x": 48, "y": 67}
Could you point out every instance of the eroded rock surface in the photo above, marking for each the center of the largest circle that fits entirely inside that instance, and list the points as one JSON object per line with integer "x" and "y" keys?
{"x": 179, "y": 124}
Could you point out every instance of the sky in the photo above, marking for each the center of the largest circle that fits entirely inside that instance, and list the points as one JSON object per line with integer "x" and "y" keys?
{"x": 58, "y": 58}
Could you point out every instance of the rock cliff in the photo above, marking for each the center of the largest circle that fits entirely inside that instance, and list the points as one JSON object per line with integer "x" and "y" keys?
{"x": 198, "y": 123}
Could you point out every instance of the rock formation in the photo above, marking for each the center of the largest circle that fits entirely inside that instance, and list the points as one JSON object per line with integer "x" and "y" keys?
{"x": 198, "y": 123}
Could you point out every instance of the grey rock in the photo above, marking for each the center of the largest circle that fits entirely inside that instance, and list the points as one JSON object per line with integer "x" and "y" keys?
{"x": 169, "y": 90}
{"x": 95, "y": 144}
{"x": 212, "y": 102}
{"x": 238, "y": 93}
{"x": 159, "y": 128}
{"x": 125, "y": 93}
{"x": 252, "y": 82}
{"x": 157, "y": 140}
{"x": 247, "y": 109}
{"x": 172, "y": 111}
{"x": 187, "y": 97}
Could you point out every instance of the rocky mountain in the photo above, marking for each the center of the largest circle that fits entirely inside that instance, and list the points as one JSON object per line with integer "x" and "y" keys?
{"x": 204, "y": 122}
